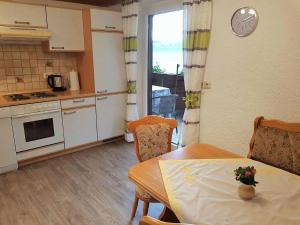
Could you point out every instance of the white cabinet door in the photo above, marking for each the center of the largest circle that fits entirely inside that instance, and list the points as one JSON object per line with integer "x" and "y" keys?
{"x": 109, "y": 62}
{"x": 8, "y": 157}
{"x": 66, "y": 26}
{"x": 15, "y": 14}
{"x": 111, "y": 112}
{"x": 106, "y": 20}
{"x": 79, "y": 126}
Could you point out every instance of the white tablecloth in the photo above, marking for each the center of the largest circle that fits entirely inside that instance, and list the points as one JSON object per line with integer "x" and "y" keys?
{"x": 158, "y": 91}
{"x": 204, "y": 192}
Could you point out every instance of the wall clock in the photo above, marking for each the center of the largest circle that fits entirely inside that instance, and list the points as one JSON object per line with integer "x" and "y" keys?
{"x": 244, "y": 21}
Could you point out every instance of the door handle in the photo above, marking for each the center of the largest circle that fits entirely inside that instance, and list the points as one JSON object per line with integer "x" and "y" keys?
{"x": 70, "y": 113}
{"x": 36, "y": 114}
{"x": 79, "y": 101}
{"x": 102, "y": 98}
{"x": 101, "y": 92}
{"x": 22, "y": 22}
{"x": 110, "y": 27}
{"x": 53, "y": 47}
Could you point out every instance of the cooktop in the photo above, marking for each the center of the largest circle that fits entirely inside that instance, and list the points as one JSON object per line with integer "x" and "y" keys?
{"x": 27, "y": 96}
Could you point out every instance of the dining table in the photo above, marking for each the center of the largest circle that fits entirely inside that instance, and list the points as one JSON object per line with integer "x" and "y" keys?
{"x": 158, "y": 91}
{"x": 147, "y": 175}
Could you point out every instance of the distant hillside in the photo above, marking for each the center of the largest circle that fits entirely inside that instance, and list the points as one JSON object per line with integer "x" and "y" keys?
{"x": 166, "y": 47}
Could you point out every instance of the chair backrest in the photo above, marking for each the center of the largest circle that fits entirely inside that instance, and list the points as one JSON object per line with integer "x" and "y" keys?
{"x": 134, "y": 126}
{"x": 276, "y": 143}
{"x": 146, "y": 220}
{"x": 166, "y": 104}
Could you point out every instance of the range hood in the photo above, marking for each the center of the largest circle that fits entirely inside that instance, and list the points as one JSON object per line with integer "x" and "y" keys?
{"x": 24, "y": 34}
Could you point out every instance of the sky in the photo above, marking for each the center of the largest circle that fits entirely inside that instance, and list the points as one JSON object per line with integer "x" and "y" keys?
{"x": 167, "y": 27}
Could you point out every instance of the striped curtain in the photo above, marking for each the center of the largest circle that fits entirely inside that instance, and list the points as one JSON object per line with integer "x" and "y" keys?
{"x": 197, "y": 24}
{"x": 130, "y": 28}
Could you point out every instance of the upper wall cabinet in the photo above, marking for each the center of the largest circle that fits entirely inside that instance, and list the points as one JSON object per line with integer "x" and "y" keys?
{"x": 66, "y": 26}
{"x": 15, "y": 14}
{"x": 106, "y": 20}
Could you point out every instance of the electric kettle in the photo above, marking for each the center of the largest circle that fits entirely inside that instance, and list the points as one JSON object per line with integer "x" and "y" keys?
{"x": 56, "y": 82}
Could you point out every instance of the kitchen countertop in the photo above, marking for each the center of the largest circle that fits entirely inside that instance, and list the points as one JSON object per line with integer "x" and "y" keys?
{"x": 60, "y": 96}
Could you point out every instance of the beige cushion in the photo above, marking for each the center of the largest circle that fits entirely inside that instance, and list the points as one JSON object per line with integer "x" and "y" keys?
{"x": 295, "y": 144}
{"x": 153, "y": 140}
{"x": 277, "y": 147}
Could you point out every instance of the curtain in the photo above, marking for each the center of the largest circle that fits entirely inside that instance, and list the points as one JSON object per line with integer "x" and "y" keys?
{"x": 197, "y": 24}
{"x": 130, "y": 29}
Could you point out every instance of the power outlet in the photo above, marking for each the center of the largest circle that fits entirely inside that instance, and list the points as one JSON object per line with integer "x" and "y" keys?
{"x": 206, "y": 85}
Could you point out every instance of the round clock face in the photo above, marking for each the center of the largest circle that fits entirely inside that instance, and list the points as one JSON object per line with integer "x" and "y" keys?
{"x": 244, "y": 21}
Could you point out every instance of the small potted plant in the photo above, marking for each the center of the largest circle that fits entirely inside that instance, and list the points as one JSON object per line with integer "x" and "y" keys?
{"x": 246, "y": 175}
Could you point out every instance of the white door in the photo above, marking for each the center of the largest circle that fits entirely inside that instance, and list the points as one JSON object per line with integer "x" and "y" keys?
{"x": 79, "y": 126}
{"x": 111, "y": 112}
{"x": 106, "y": 20}
{"x": 109, "y": 62}
{"x": 8, "y": 156}
{"x": 66, "y": 26}
{"x": 15, "y": 14}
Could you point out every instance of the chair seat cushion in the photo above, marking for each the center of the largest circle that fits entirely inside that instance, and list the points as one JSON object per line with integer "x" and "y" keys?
{"x": 278, "y": 147}
{"x": 153, "y": 140}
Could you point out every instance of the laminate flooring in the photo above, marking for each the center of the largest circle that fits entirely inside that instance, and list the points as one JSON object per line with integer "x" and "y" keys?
{"x": 90, "y": 187}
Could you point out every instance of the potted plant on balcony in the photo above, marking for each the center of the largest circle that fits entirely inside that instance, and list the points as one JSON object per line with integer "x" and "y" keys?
{"x": 246, "y": 175}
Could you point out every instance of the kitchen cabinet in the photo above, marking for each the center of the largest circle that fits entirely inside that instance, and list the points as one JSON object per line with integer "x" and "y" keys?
{"x": 106, "y": 20}
{"x": 109, "y": 62}
{"x": 22, "y": 15}
{"x": 66, "y": 26}
{"x": 79, "y": 122}
{"x": 8, "y": 157}
{"x": 111, "y": 111}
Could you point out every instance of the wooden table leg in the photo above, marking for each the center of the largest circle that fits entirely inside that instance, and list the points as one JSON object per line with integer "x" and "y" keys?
{"x": 168, "y": 215}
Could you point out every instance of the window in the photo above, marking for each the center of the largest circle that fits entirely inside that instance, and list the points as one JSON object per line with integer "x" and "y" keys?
{"x": 167, "y": 42}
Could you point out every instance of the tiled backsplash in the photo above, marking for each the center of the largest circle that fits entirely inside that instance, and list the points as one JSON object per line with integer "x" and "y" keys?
{"x": 22, "y": 67}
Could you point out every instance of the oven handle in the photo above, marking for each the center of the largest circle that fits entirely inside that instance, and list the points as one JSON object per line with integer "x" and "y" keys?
{"x": 35, "y": 114}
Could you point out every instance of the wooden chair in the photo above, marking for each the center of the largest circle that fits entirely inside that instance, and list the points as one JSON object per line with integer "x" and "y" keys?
{"x": 276, "y": 143}
{"x": 166, "y": 106}
{"x": 148, "y": 146}
{"x": 146, "y": 220}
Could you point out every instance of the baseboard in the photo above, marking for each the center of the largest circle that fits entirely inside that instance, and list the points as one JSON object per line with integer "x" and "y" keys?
{"x": 68, "y": 151}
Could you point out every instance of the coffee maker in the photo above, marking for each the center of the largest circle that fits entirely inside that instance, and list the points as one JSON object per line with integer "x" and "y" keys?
{"x": 56, "y": 82}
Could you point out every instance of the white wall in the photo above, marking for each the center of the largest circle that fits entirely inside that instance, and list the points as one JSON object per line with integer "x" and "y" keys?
{"x": 251, "y": 76}
{"x": 148, "y": 7}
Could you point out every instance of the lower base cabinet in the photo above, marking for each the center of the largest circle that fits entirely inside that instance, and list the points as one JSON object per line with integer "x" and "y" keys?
{"x": 79, "y": 126}
{"x": 111, "y": 114}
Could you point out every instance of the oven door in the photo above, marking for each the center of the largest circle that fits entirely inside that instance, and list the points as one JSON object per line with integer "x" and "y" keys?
{"x": 37, "y": 130}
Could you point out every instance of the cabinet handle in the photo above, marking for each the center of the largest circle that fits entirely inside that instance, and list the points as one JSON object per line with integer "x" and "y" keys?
{"x": 70, "y": 113}
{"x": 109, "y": 27}
{"x": 101, "y": 92}
{"x": 103, "y": 98}
{"x": 79, "y": 101}
{"x": 22, "y": 22}
{"x": 58, "y": 47}
{"x": 21, "y": 28}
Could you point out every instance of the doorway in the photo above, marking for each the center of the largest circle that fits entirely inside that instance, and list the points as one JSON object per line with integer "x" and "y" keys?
{"x": 165, "y": 67}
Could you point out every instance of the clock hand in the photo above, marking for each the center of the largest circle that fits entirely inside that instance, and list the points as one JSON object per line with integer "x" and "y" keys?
{"x": 248, "y": 18}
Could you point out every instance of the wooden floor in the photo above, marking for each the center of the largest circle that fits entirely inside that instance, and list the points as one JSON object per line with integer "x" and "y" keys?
{"x": 84, "y": 188}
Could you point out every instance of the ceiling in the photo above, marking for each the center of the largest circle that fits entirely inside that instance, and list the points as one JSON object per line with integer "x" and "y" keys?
{"x": 102, "y": 3}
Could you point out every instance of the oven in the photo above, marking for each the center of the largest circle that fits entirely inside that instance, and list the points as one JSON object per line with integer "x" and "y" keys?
{"x": 37, "y": 125}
